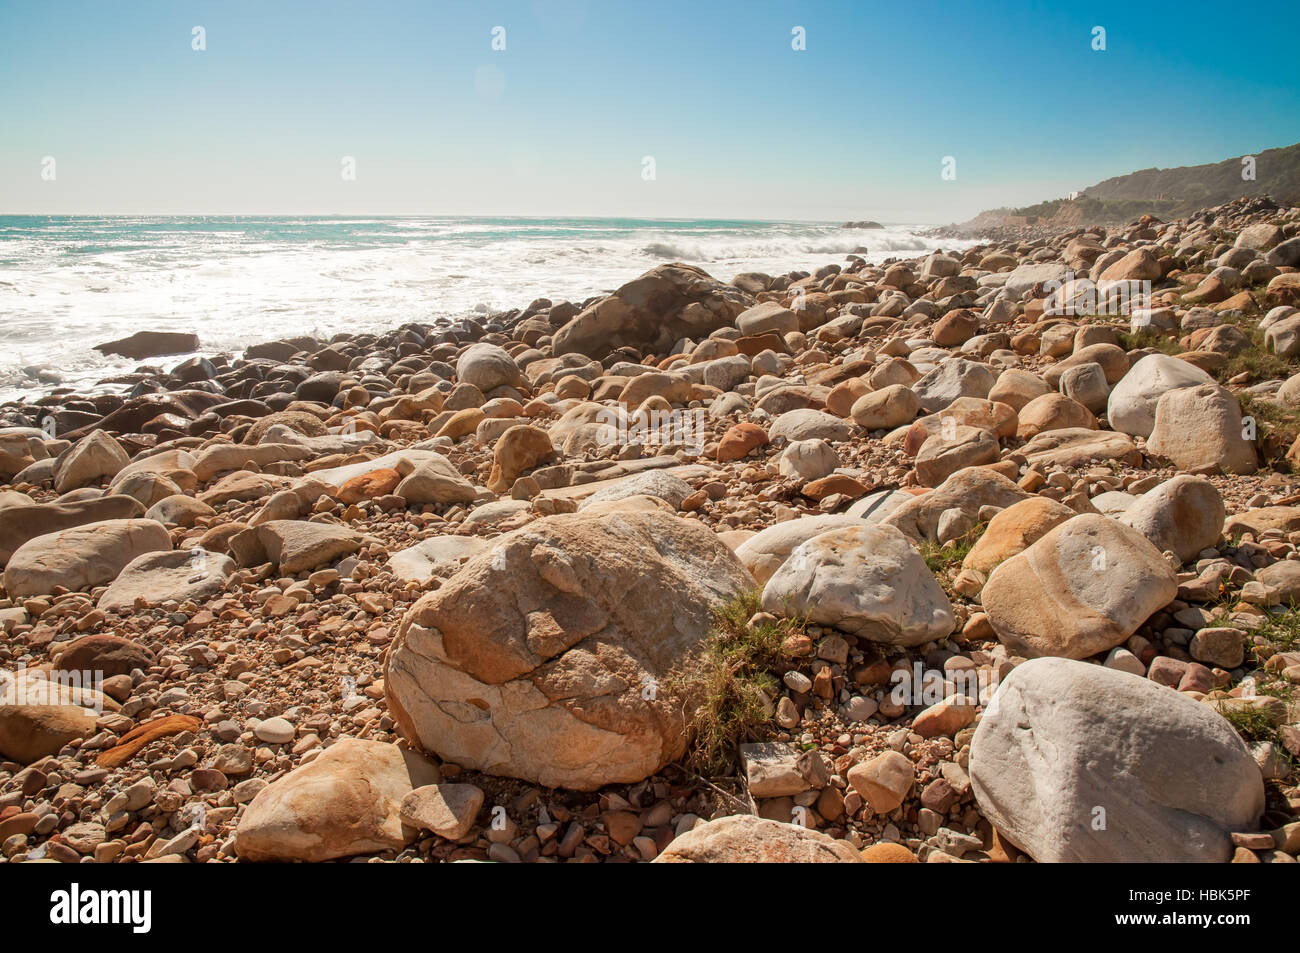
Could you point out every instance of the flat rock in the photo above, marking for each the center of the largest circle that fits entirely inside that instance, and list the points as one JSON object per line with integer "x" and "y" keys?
{"x": 20, "y": 524}
{"x": 177, "y": 575}
{"x": 763, "y": 553}
{"x": 145, "y": 344}
{"x": 656, "y": 483}
{"x": 82, "y": 556}
{"x": 448, "y": 810}
{"x": 295, "y": 545}
{"x": 346, "y": 802}
{"x": 746, "y": 839}
{"x": 429, "y": 557}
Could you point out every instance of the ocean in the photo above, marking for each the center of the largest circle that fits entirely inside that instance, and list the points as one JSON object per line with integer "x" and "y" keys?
{"x": 68, "y": 283}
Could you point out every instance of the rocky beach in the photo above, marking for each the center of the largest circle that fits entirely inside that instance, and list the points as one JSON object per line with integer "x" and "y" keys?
{"x": 980, "y": 556}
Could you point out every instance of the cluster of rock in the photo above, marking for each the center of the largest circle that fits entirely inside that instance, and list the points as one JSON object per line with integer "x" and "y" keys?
{"x": 441, "y": 594}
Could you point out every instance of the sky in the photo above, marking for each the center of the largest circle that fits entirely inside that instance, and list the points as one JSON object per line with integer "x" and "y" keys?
{"x": 652, "y": 108}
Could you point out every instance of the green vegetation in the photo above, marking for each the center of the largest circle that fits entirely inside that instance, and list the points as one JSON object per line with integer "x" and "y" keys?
{"x": 1256, "y": 360}
{"x": 1148, "y": 337}
{"x": 1253, "y": 724}
{"x": 1282, "y": 631}
{"x": 946, "y": 560}
{"x": 1275, "y": 425}
{"x": 734, "y": 678}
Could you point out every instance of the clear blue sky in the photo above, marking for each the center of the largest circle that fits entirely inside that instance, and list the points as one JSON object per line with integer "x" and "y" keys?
{"x": 739, "y": 124}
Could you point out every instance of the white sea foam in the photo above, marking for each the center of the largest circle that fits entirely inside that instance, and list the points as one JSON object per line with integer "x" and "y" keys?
{"x": 67, "y": 284}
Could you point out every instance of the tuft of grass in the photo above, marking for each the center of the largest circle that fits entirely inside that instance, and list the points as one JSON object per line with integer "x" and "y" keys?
{"x": 1256, "y": 360}
{"x": 1282, "y": 630}
{"x": 947, "y": 558}
{"x": 1276, "y": 426}
{"x": 734, "y": 678}
{"x": 1253, "y": 724}
{"x": 1148, "y": 337}
{"x": 1282, "y": 634}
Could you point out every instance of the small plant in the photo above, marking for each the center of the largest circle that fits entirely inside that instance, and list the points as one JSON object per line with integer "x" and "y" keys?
{"x": 1148, "y": 337}
{"x": 948, "y": 557}
{"x": 734, "y": 678}
{"x": 1277, "y": 428}
{"x": 1282, "y": 630}
{"x": 1255, "y": 360}
{"x": 1253, "y": 724}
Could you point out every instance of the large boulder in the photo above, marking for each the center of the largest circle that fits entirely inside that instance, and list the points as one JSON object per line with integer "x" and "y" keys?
{"x": 436, "y": 480}
{"x": 144, "y": 344}
{"x": 884, "y": 409}
{"x": 747, "y": 839}
{"x": 997, "y": 418}
{"x": 1013, "y": 530}
{"x": 808, "y": 424}
{"x": 1017, "y": 387}
{"x": 19, "y": 524}
{"x": 967, "y": 490}
{"x": 1261, "y": 236}
{"x": 548, "y": 657}
{"x": 808, "y": 460}
{"x": 768, "y": 316}
{"x": 175, "y": 576}
{"x": 764, "y": 552}
{"x": 1082, "y": 763}
{"x": 295, "y": 546}
{"x": 517, "y": 451}
{"x": 1200, "y": 429}
{"x": 1283, "y": 577}
{"x": 953, "y": 449}
{"x": 346, "y": 802}
{"x": 82, "y": 556}
{"x": 94, "y": 457}
{"x": 31, "y": 732}
{"x": 1182, "y": 516}
{"x": 107, "y": 654}
{"x": 20, "y": 447}
{"x": 1131, "y": 407}
{"x": 866, "y": 579}
{"x": 653, "y": 311}
{"x": 1053, "y": 412}
{"x": 1084, "y": 587}
{"x": 1024, "y": 277}
{"x": 487, "y": 367}
{"x": 955, "y": 377}
{"x": 1141, "y": 264}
